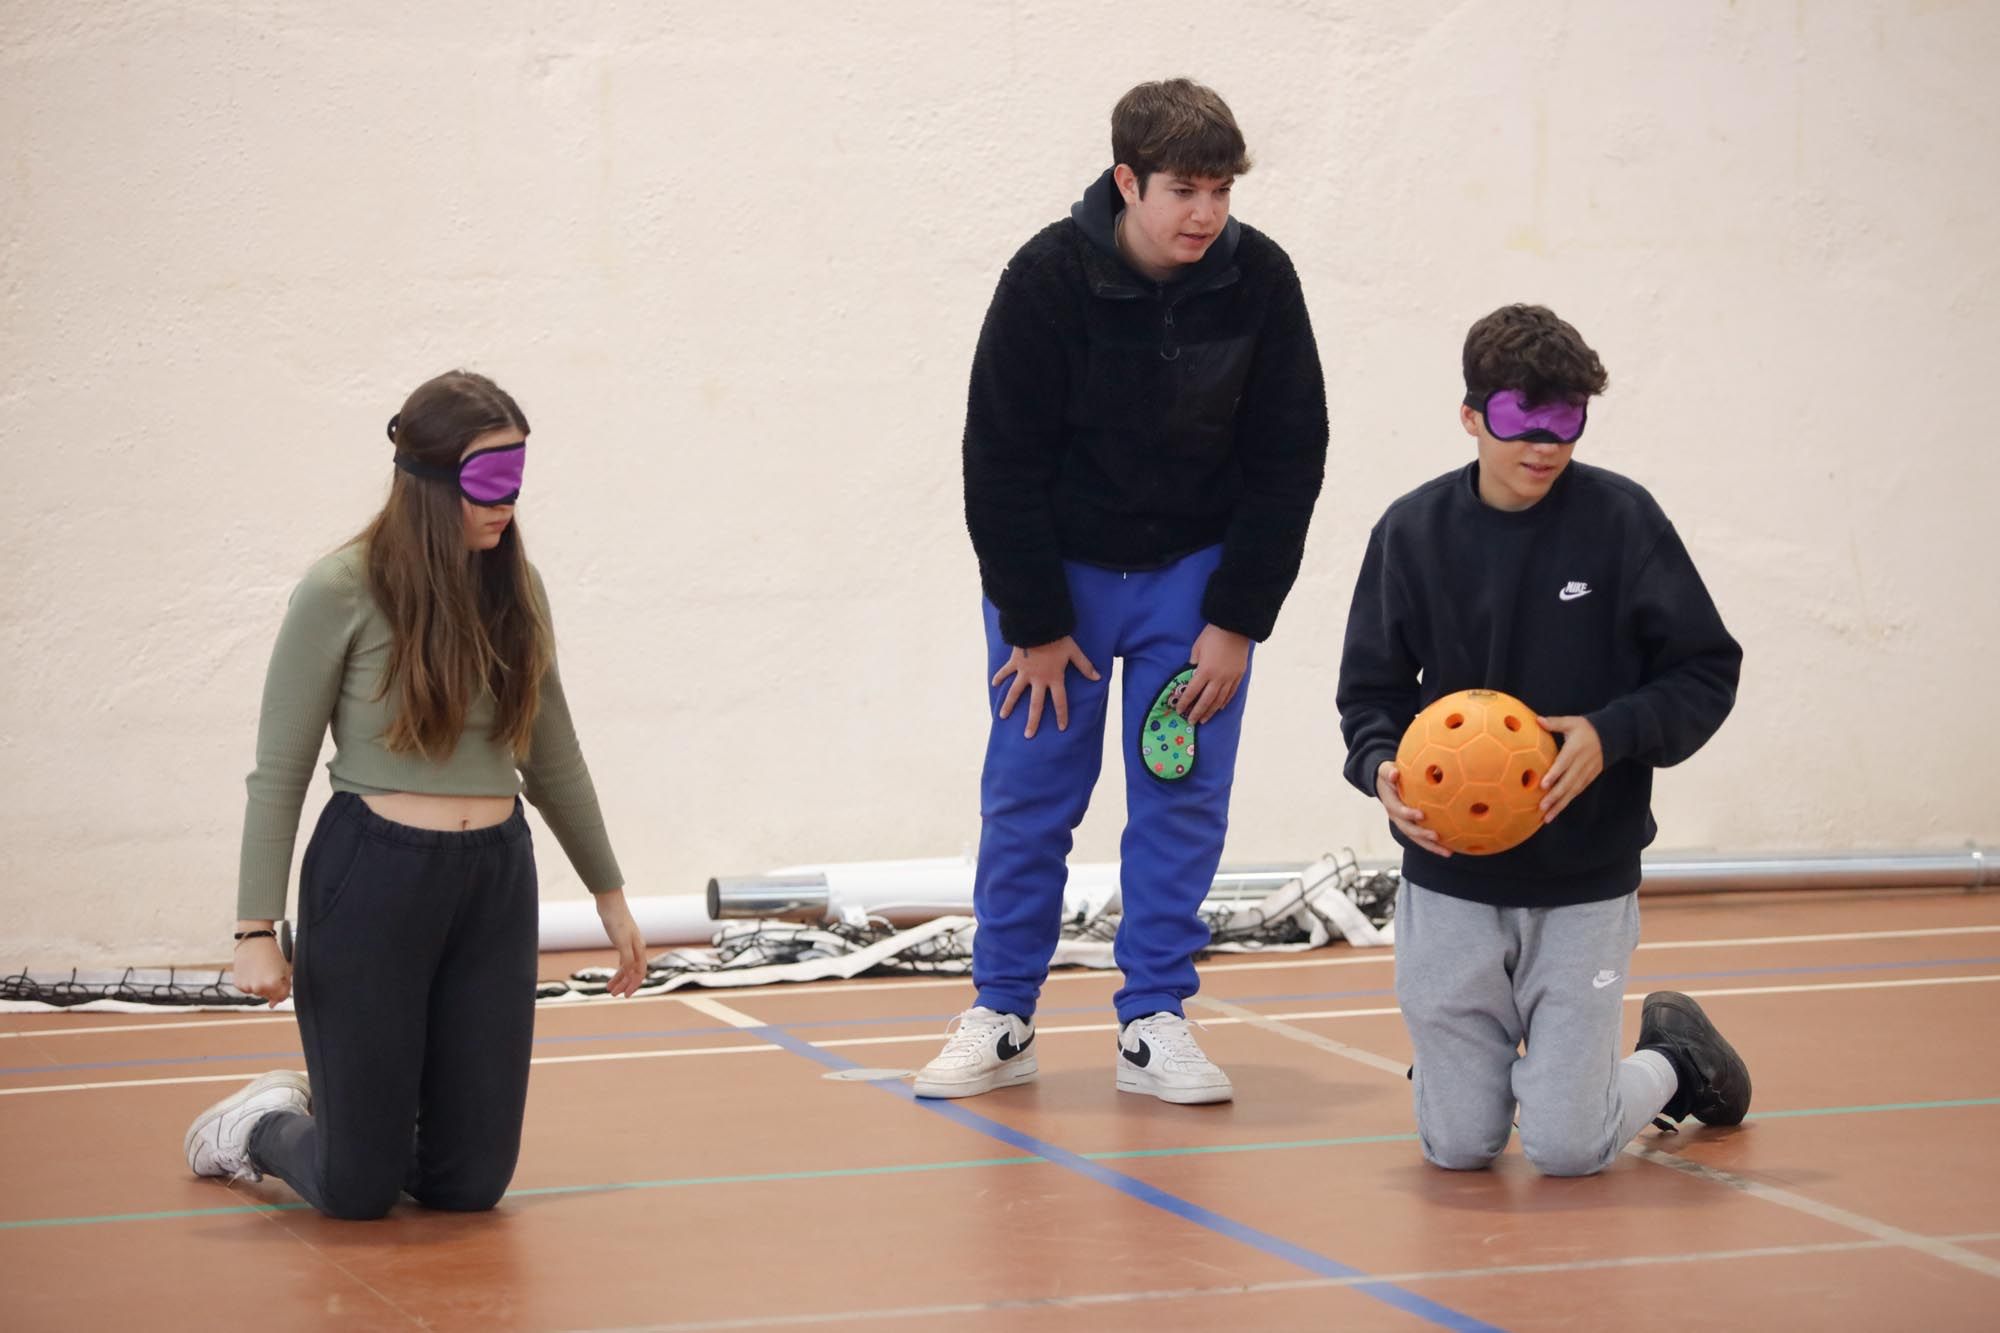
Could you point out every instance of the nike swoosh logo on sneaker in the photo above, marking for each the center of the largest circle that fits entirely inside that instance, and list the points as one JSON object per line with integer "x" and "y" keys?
{"x": 1574, "y": 591}
{"x": 1007, "y": 1050}
{"x": 1141, "y": 1057}
{"x": 1603, "y": 979}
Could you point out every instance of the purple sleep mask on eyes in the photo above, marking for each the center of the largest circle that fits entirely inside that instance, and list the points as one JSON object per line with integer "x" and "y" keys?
{"x": 489, "y": 477}
{"x": 1510, "y": 417}
{"x": 493, "y": 476}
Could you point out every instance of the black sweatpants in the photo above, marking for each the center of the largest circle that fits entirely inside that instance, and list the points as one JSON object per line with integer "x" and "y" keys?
{"x": 414, "y": 981}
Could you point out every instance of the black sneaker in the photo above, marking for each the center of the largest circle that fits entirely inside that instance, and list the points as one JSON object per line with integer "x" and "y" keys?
{"x": 1714, "y": 1081}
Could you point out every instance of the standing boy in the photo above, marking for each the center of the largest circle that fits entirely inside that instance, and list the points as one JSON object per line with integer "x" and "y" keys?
{"x": 1565, "y": 586}
{"x": 1144, "y": 439}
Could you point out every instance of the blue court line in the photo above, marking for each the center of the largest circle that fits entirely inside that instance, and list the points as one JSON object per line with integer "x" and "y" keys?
{"x": 1443, "y": 1316}
{"x": 915, "y": 1168}
{"x": 1044, "y": 1012}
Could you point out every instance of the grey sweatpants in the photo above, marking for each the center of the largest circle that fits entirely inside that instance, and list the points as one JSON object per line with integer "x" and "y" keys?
{"x": 1476, "y": 983}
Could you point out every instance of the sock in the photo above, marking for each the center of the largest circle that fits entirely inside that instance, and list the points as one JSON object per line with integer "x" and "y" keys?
{"x": 1646, "y": 1083}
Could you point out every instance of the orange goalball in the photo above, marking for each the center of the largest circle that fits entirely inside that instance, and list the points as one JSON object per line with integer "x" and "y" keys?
{"x": 1473, "y": 762}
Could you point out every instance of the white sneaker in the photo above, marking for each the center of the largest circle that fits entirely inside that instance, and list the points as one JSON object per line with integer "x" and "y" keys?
{"x": 1157, "y": 1055}
{"x": 987, "y": 1050}
{"x": 218, "y": 1142}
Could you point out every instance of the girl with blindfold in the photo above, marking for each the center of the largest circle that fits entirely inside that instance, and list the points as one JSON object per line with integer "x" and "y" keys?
{"x": 426, "y": 645}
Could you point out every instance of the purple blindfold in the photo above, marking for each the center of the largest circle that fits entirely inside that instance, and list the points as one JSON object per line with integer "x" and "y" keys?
{"x": 489, "y": 477}
{"x": 1509, "y": 417}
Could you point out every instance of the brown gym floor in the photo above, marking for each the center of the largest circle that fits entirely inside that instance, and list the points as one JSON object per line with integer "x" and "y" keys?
{"x": 691, "y": 1164}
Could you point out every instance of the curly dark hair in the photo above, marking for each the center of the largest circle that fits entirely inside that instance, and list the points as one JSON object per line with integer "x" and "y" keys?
{"x": 1176, "y": 125}
{"x": 1527, "y": 347}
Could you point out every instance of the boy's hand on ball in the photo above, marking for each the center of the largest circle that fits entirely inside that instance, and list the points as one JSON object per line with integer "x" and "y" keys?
{"x": 1389, "y": 791}
{"x": 1577, "y": 764}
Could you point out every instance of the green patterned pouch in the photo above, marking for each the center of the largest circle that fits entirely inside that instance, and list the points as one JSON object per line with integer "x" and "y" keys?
{"x": 1166, "y": 741}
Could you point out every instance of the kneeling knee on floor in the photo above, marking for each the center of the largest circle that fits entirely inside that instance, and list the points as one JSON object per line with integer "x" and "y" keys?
{"x": 363, "y": 1204}
{"x": 461, "y": 1196}
{"x": 1462, "y": 1153}
{"x": 1566, "y": 1157}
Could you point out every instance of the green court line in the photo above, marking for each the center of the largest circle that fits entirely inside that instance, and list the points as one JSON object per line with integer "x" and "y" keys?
{"x": 912, "y": 1168}
{"x": 769, "y": 1177}
{"x": 171, "y": 1214}
{"x": 1209, "y": 1150}
{"x": 1884, "y": 1106}
{"x": 909, "y": 1168}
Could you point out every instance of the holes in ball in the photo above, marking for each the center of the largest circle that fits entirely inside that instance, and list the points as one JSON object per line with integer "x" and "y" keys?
{"x": 1454, "y": 721}
{"x": 1513, "y": 723}
{"x": 1528, "y": 777}
{"x": 1479, "y": 810}
{"x": 1435, "y": 775}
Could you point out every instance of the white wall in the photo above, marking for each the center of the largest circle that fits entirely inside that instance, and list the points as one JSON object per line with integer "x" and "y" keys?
{"x": 732, "y": 259}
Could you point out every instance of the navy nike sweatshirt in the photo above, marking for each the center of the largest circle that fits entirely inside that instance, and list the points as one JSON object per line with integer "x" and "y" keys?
{"x": 1585, "y": 603}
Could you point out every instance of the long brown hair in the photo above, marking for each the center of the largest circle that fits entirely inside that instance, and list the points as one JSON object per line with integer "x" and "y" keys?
{"x": 460, "y": 620}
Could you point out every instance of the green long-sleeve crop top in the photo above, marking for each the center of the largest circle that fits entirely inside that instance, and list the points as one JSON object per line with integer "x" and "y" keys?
{"x": 327, "y": 668}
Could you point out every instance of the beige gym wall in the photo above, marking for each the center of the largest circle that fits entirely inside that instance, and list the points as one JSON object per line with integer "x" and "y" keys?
{"x": 732, "y": 259}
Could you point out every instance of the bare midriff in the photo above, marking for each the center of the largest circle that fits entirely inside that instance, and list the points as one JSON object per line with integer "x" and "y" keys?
{"x": 449, "y": 814}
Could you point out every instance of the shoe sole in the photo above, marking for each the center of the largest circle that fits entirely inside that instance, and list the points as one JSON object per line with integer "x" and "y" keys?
{"x": 277, "y": 1078}
{"x": 1133, "y": 1080}
{"x": 1021, "y": 1069}
{"x": 1684, "y": 1005}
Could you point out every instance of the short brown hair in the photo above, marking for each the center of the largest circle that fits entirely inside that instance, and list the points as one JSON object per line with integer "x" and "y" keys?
{"x": 1176, "y": 125}
{"x": 1527, "y": 347}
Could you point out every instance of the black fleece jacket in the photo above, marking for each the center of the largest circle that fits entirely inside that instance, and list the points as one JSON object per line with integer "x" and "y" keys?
{"x": 1125, "y": 423}
{"x": 1584, "y": 604}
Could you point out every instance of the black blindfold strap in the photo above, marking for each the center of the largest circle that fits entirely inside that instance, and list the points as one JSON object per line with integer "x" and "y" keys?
{"x": 425, "y": 470}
